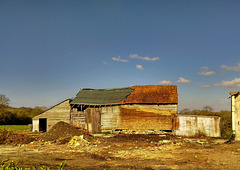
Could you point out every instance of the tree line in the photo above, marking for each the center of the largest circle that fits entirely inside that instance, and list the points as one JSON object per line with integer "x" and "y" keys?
{"x": 17, "y": 116}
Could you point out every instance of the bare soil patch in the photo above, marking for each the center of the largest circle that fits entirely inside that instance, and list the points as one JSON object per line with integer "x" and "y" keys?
{"x": 107, "y": 151}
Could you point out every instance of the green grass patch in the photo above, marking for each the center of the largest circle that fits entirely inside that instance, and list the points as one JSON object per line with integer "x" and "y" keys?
{"x": 15, "y": 127}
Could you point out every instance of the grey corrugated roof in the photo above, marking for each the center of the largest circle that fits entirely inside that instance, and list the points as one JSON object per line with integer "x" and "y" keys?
{"x": 101, "y": 96}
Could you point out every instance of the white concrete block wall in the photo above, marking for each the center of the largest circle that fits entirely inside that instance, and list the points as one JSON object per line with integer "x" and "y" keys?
{"x": 35, "y": 125}
{"x": 190, "y": 125}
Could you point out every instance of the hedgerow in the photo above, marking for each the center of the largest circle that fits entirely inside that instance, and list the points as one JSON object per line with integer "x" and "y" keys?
{"x": 18, "y": 116}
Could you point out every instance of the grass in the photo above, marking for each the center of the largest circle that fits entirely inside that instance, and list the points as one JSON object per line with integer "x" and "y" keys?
{"x": 15, "y": 127}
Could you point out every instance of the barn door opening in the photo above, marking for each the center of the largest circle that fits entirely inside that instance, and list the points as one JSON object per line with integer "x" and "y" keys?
{"x": 43, "y": 125}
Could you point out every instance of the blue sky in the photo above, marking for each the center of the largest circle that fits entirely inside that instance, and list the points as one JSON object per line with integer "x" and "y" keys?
{"x": 49, "y": 50}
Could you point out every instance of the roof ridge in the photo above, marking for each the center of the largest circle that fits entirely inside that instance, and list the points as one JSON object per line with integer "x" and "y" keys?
{"x": 107, "y": 88}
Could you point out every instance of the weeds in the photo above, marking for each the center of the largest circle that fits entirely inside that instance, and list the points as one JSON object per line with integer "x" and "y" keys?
{"x": 13, "y": 166}
{"x": 62, "y": 165}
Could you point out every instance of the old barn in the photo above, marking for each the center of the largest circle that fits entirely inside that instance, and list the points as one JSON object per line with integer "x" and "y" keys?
{"x": 138, "y": 108}
{"x": 135, "y": 108}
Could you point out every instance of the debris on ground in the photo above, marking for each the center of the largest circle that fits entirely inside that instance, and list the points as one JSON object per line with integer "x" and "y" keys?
{"x": 78, "y": 141}
{"x": 15, "y": 138}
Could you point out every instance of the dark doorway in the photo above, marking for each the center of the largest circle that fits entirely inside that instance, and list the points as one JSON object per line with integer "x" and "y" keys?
{"x": 43, "y": 125}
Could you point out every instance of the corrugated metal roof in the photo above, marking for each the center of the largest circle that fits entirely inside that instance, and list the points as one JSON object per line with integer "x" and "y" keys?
{"x": 101, "y": 96}
{"x": 149, "y": 94}
{"x": 161, "y": 94}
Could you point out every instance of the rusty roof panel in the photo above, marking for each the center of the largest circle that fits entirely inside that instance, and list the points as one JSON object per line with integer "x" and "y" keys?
{"x": 153, "y": 94}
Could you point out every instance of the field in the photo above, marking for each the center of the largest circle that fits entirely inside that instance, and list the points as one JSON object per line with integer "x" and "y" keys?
{"x": 15, "y": 127}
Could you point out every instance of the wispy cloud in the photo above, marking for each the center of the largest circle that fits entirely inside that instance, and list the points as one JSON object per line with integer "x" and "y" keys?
{"x": 208, "y": 73}
{"x": 136, "y": 56}
{"x": 206, "y": 86}
{"x": 104, "y": 62}
{"x": 183, "y": 80}
{"x": 205, "y": 72}
{"x": 119, "y": 59}
{"x": 233, "y": 83}
{"x": 204, "y": 68}
{"x": 231, "y": 68}
{"x": 165, "y": 82}
{"x": 140, "y": 67}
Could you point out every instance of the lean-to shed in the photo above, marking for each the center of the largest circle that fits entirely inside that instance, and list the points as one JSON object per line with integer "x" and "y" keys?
{"x": 57, "y": 113}
{"x": 135, "y": 108}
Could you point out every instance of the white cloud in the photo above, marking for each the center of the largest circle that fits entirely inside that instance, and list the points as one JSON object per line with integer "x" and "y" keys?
{"x": 164, "y": 82}
{"x": 119, "y": 59}
{"x": 140, "y": 67}
{"x": 136, "y": 56}
{"x": 231, "y": 68}
{"x": 205, "y": 72}
{"x": 104, "y": 62}
{"x": 183, "y": 80}
{"x": 208, "y": 73}
{"x": 233, "y": 83}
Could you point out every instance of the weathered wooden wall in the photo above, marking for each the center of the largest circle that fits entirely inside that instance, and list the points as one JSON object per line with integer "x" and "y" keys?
{"x": 110, "y": 117}
{"x": 237, "y": 118}
{"x": 88, "y": 119}
{"x": 190, "y": 125}
{"x": 60, "y": 112}
{"x": 138, "y": 117}
{"x": 78, "y": 118}
{"x": 93, "y": 120}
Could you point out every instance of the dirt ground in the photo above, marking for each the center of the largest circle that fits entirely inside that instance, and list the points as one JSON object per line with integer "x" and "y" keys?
{"x": 108, "y": 151}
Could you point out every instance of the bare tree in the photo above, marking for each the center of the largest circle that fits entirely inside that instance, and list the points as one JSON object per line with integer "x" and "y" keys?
{"x": 185, "y": 111}
{"x": 4, "y": 100}
{"x": 208, "y": 108}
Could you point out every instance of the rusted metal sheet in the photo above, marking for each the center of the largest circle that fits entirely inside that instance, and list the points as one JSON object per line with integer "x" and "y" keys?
{"x": 137, "y": 120}
{"x": 138, "y": 117}
{"x": 191, "y": 125}
{"x": 153, "y": 94}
